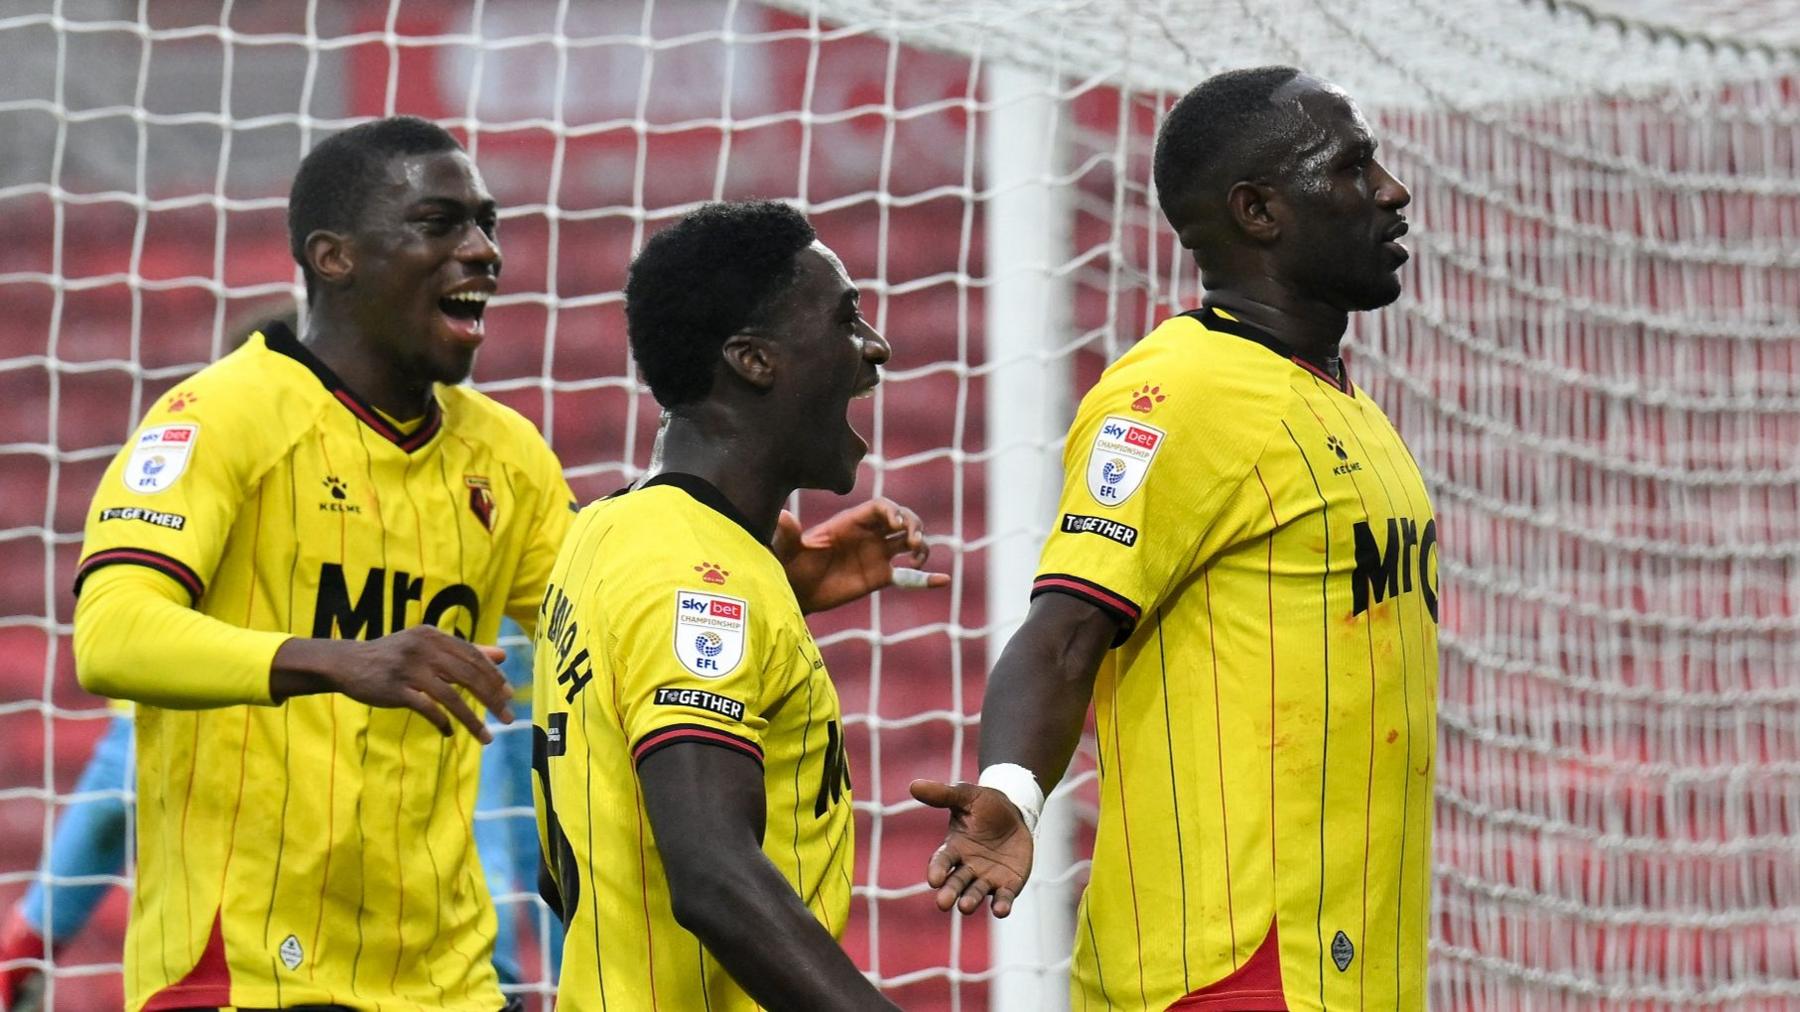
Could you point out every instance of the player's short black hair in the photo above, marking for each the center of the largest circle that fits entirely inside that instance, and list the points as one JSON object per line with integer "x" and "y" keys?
{"x": 333, "y": 182}
{"x": 701, "y": 280}
{"x": 1223, "y": 131}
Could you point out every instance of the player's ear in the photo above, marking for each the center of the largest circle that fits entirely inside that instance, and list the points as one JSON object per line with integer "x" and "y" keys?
{"x": 330, "y": 256}
{"x": 751, "y": 358}
{"x": 1251, "y": 208}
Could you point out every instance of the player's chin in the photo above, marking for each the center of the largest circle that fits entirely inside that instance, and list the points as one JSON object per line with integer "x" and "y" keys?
{"x": 452, "y": 363}
{"x": 842, "y": 477}
{"x": 1379, "y": 291}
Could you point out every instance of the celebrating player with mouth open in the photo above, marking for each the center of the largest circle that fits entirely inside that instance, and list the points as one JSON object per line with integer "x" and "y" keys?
{"x": 694, "y": 792}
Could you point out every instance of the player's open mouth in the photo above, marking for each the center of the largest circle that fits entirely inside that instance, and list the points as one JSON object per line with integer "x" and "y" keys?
{"x": 464, "y": 311}
{"x": 864, "y": 391}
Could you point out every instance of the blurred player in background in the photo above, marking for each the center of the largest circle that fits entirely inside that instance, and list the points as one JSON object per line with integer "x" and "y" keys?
{"x": 1242, "y": 580}
{"x": 694, "y": 791}
{"x": 506, "y": 833}
{"x": 88, "y": 842}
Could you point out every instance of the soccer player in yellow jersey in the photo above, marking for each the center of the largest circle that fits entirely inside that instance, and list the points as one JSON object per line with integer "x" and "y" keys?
{"x": 1242, "y": 578}
{"x": 693, "y": 793}
{"x": 289, "y": 565}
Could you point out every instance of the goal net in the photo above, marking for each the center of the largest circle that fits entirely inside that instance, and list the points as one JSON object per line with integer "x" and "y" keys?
{"x": 1595, "y": 363}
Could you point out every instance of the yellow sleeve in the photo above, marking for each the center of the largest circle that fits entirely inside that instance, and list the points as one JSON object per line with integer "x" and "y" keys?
{"x": 136, "y": 638}
{"x": 1141, "y": 490}
{"x": 554, "y": 509}
{"x": 169, "y": 497}
{"x": 692, "y": 660}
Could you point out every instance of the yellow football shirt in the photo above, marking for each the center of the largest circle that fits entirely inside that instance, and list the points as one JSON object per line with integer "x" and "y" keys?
{"x": 319, "y": 851}
{"x": 1266, "y": 722}
{"x": 668, "y": 622}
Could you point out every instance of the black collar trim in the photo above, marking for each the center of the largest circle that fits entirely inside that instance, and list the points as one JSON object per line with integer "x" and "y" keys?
{"x": 280, "y": 339}
{"x": 1212, "y": 319}
{"x": 706, "y": 494}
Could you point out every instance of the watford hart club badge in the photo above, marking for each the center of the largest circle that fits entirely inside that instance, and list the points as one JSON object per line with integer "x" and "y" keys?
{"x": 481, "y": 500}
{"x": 709, "y": 632}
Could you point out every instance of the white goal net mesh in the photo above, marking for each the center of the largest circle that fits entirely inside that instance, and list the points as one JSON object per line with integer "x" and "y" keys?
{"x": 1595, "y": 363}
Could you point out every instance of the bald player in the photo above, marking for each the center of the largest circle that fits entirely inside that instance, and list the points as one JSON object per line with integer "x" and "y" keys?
{"x": 1241, "y": 579}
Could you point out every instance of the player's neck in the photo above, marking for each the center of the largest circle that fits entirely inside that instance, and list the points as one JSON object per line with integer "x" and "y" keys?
{"x": 745, "y": 470}
{"x": 368, "y": 375}
{"x": 1312, "y": 329}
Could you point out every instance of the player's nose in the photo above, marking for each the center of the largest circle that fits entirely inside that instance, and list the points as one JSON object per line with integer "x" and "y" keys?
{"x": 1390, "y": 192}
{"x": 875, "y": 347}
{"x": 479, "y": 247}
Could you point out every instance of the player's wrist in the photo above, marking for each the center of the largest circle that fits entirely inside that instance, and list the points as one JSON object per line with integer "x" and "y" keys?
{"x": 1020, "y": 786}
{"x": 304, "y": 666}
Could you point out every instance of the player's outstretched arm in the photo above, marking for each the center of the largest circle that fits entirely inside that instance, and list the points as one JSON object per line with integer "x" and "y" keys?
{"x": 706, "y": 808}
{"x": 852, "y": 554}
{"x": 137, "y": 638}
{"x": 418, "y": 668}
{"x": 1031, "y": 715}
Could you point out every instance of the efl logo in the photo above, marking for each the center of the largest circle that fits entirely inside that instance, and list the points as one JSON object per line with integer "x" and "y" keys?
{"x": 710, "y": 632}
{"x": 160, "y": 457}
{"x": 1120, "y": 458}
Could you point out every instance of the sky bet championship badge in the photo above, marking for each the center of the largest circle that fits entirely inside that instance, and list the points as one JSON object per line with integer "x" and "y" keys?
{"x": 1120, "y": 458}
{"x": 709, "y": 632}
{"x": 159, "y": 457}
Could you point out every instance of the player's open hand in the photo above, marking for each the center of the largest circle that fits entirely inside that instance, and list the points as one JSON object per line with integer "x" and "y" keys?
{"x": 987, "y": 852}
{"x": 418, "y": 668}
{"x": 852, "y": 554}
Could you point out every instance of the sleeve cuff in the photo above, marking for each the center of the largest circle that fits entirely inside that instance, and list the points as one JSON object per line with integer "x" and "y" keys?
{"x": 1121, "y": 608}
{"x": 699, "y": 734}
{"x": 167, "y": 565}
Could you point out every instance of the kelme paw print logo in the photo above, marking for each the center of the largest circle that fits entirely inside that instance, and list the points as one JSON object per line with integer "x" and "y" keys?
{"x": 712, "y": 574}
{"x": 1337, "y": 447}
{"x": 1147, "y": 398}
{"x": 336, "y": 487}
{"x": 181, "y": 400}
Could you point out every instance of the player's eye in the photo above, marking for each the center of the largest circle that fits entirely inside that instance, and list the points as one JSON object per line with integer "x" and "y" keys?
{"x": 438, "y": 224}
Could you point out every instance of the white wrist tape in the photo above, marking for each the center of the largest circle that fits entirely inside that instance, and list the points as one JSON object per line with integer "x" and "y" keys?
{"x": 911, "y": 579}
{"x": 1020, "y": 787}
